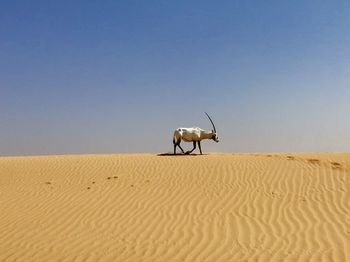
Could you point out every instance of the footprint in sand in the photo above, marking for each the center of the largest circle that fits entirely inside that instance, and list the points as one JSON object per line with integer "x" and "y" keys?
{"x": 48, "y": 183}
{"x": 313, "y": 161}
{"x": 336, "y": 165}
{"x": 115, "y": 177}
{"x": 290, "y": 158}
{"x": 108, "y": 177}
{"x": 88, "y": 187}
{"x": 275, "y": 194}
{"x": 302, "y": 199}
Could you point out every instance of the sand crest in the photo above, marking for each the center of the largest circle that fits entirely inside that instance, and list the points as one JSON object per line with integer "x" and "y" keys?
{"x": 216, "y": 207}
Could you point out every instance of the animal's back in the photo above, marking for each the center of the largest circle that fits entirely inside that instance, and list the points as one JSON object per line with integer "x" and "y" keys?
{"x": 187, "y": 134}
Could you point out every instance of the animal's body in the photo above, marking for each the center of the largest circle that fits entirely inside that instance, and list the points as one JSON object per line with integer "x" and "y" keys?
{"x": 190, "y": 134}
{"x": 193, "y": 134}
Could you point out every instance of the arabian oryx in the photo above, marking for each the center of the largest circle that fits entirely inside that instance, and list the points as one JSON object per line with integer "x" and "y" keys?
{"x": 195, "y": 135}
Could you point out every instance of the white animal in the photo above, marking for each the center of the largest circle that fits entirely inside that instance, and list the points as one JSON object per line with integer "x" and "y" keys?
{"x": 195, "y": 135}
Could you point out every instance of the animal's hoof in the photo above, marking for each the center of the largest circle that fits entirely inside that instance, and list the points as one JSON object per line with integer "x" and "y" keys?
{"x": 187, "y": 153}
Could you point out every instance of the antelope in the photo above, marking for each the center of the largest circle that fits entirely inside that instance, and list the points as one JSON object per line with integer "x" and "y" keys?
{"x": 195, "y": 135}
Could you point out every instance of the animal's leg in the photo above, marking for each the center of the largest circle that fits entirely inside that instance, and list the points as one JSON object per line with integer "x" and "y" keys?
{"x": 181, "y": 148}
{"x": 174, "y": 149}
{"x": 199, "y": 145}
{"x": 194, "y": 147}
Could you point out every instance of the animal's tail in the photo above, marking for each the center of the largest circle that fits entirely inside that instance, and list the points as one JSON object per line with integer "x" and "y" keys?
{"x": 176, "y": 137}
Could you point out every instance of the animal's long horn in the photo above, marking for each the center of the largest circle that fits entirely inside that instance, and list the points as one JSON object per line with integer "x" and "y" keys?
{"x": 211, "y": 121}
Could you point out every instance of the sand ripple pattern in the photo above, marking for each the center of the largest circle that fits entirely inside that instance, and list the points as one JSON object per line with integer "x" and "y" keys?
{"x": 216, "y": 207}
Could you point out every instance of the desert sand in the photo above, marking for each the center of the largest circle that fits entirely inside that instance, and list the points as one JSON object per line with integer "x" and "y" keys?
{"x": 144, "y": 207}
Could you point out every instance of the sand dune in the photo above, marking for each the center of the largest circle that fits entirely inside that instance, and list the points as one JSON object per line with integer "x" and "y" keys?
{"x": 216, "y": 207}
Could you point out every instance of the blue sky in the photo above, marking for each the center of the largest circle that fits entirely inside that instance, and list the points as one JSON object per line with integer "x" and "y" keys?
{"x": 120, "y": 76}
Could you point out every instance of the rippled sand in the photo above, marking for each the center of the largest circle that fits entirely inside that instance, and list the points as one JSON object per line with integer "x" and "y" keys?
{"x": 216, "y": 207}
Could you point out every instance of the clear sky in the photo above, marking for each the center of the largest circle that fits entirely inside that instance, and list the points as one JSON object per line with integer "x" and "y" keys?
{"x": 120, "y": 76}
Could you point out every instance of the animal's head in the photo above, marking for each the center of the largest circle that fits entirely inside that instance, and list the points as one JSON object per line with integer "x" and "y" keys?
{"x": 215, "y": 137}
{"x": 214, "y": 133}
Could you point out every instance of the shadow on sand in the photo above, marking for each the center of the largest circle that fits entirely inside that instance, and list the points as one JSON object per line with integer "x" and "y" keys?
{"x": 171, "y": 154}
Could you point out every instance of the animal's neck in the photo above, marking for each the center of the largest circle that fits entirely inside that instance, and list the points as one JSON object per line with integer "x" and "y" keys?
{"x": 207, "y": 134}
